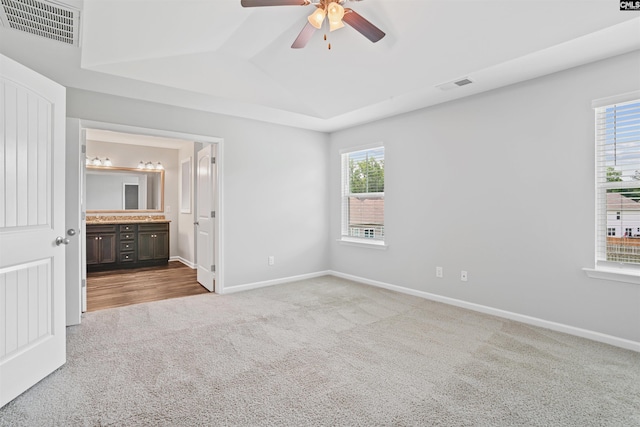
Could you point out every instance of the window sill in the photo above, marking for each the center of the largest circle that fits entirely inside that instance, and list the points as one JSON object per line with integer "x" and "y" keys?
{"x": 371, "y": 244}
{"x": 614, "y": 274}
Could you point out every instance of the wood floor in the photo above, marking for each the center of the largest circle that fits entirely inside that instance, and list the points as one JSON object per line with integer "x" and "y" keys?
{"x": 108, "y": 289}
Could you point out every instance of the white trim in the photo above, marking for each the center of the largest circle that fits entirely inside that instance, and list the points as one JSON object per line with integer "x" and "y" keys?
{"x": 558, "y": 327}
{"x": 614, "y": 274}
{"x": 615, "y": 99}
{"x": 256, "y": 285}
{"x": 364, "y": 243}
{"x": 184, "y": 261}
{"x": 361, "y": 147}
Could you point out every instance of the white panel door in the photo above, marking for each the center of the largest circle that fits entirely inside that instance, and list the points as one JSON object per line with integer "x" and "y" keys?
{"x": 205, "y": 218}
{"x": 32, "y": 216}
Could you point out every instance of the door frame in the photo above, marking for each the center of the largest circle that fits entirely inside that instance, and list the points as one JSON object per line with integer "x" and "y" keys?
{"x": 74, "y": 292}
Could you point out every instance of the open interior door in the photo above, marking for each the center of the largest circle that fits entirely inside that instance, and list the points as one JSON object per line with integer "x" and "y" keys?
{"x": 32, "y": 228}
{"x": 205, "y": 217}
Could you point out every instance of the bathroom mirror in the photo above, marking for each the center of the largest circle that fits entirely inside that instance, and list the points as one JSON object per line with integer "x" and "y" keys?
{"x": 115, "y": 189}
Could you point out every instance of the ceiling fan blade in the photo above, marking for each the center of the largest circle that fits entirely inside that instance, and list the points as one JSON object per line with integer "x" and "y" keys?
{"x": 363, "y": 26}
{"x": 304, "y": 36}
{"x": 260, "y": 3}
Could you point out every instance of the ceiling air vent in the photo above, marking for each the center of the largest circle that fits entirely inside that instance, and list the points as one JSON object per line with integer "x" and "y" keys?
{"x": 455, "y": 84}
{"x": 42, "y": 18}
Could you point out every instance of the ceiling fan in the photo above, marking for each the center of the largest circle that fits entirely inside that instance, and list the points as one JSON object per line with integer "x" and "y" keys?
{"x": 336, "y": 14}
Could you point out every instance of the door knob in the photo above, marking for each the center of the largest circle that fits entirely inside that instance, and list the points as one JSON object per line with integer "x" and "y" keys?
{"x": 196, "y": 223}
{"x": 71, "y": 232}
{"x": 61, "y": 241}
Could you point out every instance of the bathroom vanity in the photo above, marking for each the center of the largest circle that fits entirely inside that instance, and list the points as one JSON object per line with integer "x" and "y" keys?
{"x": 115, "y": 243}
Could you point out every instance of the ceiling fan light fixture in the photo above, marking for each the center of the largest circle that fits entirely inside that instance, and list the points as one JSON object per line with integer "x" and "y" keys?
{"x": 317, "y": 17}
{"x": 335, "y": 13}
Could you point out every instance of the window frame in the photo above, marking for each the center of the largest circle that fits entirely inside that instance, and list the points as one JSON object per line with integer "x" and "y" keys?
{"x": 345, "y": 193}
{"x": 608, "y": 270}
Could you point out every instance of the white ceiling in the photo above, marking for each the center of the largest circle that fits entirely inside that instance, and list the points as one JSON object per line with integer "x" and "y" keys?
{"x": 217, "y": 56}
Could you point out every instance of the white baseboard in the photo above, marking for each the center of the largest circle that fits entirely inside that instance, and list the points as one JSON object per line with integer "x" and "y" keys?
{"x": 559, "y": 327}
{"x": 256, "y": 285}
{"x": 182, "y": 260}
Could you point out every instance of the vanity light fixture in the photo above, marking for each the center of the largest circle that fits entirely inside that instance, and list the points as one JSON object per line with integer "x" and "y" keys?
{"x": 97, "y": 162}
{"x": 150, "y": 165}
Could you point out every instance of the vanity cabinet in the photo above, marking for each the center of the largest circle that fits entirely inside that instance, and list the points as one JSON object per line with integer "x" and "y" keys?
{"x": 101, "y": 244}
{"x": 127, "y": 245}
{"x": 153, "y": 242}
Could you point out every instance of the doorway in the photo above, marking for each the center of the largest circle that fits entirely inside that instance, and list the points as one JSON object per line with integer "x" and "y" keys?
{"x": 184, "y": 248}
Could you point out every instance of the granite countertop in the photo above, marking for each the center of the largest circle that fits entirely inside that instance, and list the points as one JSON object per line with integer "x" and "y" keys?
{"x": 114, "y": 219}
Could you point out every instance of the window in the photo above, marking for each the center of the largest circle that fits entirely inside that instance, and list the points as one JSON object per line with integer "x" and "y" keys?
{"x": 363, "y": 195}
{"x": 618, "y": 183}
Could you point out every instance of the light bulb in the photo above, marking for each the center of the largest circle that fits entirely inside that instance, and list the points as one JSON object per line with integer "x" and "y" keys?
{"x": 149, "y": 165}
{"x": 141, "y": 165}
{"x": 96, "y": 162}
{"x": 107, "y": 162}
{"x": 159, "y": 166}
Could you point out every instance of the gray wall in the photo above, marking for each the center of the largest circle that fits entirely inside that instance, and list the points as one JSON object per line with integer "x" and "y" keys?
{"x": 274, "y": 183}
{"x": 502, "y": 185}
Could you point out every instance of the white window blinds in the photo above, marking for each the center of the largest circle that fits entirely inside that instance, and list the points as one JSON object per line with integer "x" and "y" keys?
{"x": 363, "y": 194}
{"x": 618, "y": 183}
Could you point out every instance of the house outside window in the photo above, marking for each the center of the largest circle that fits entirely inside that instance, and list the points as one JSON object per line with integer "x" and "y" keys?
{"x": 618, "y": 183}
{"x": 363, "y": 195}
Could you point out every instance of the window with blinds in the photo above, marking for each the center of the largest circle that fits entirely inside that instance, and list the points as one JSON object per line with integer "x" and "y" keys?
{"x": 618, "y": 183}
{"x": 363, "y": 195}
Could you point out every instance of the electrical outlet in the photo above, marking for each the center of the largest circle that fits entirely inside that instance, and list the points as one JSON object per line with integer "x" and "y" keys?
{"x": 463, "y": 276}
{"x": 439, "y": 272}
{"x": 272, "y": 260}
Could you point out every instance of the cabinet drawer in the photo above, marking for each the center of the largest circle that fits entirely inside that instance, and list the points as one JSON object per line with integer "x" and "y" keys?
{"x": 127, "y": 257}
{"x": 163, "y": 226}
{"x": 127, "y": 236}
{"x": 127, "y": 227}
{"x": 101, "y": 228}
{"x": 127, "y": 246}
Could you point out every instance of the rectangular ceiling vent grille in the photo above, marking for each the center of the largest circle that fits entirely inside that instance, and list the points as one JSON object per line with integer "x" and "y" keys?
{"x": 463, "y": 82}
{"x": 455, "y": 84}
{"x": 44, "y": 19}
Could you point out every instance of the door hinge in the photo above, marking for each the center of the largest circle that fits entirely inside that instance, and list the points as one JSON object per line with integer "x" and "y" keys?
{"x": 213, "y": 267}
{"x": 84, "y": 283}
{"x": 213, "y": 160}
{"x": 213, "y": 214}
{"x": 84, "y": 149}
{"x": 84, "y": 216}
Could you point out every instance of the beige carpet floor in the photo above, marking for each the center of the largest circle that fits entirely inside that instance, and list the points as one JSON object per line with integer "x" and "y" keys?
{"x": 326, "y": 352}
